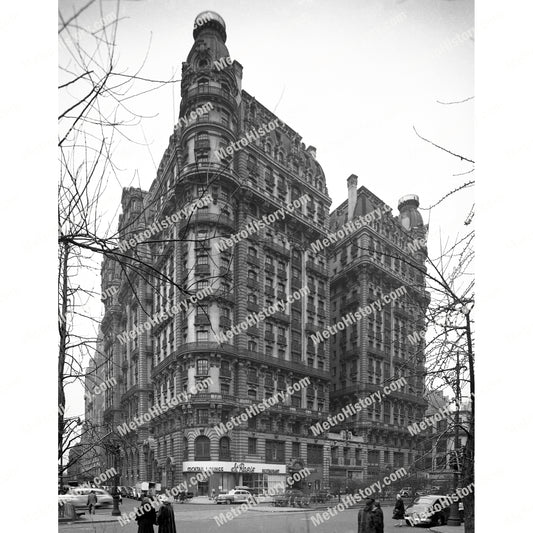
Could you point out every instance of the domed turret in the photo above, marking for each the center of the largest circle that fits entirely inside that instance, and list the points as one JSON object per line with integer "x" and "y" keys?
{"x": 209, "y": 19}
{"x": 410, "y": 216}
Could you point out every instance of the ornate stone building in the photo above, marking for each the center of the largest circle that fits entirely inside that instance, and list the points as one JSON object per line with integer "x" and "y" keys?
{"x": 225, "y": 149}
{"x": 271, "y": 172}
{"x": 367, "y": 265}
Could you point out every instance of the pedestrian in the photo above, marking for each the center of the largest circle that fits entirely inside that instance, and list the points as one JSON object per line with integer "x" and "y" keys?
{"x": 91, "y": 502}
{"x": 398, "y": 512}
{"x": 379, "y": 517}
{"x": 213, "y": 494}
{"x": 147, "y": 518}
{"x": 366, "y": 519}
{"x": 165, "y": 518}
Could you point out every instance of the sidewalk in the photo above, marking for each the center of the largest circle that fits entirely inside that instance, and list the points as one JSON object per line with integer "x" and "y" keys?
{"x": 448, "y": 529}
{"x": 93, "y": 518}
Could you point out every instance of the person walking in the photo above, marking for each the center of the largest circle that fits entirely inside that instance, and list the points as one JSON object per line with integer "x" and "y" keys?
{"x": 165, "y": 518}
{"x": 379, "y": 517}
{"x": 398, "y": 512}
{"x": 91, "y": 502}
{"x": 147, "y": 518}
{"x": 366, "y": 519}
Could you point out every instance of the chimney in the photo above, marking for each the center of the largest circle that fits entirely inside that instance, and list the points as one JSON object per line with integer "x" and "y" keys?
{"x": 352, "y": 196}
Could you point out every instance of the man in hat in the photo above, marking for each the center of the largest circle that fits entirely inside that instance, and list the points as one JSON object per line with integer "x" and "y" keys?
{"x": 366, "y": 520}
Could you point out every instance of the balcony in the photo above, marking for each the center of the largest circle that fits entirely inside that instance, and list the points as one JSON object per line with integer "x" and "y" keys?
{"x": 296, "y": 283}
{"x": 309, "y": 326}
{"x": 252, "y": 307}
{"x": 202, "y": 270}
{"x": 208, "y": 90}
{"x": 252, "y": 283}
{"x": 317, "y": 268}
{"x": 269, "y": 267}
{"x": 281, "y": 273}
{"x": 269, "y": 291}
{"x": 282, "y": 340}
{"x": 201, "y": 217}
{"x": 201, "y": 320}
{"x": 281, "y": 316}
{"x": 278, "y": 248}
{"x": 253, "y": 259}
{"x": 269, "y": 336}
{"x": 225, "y": 322}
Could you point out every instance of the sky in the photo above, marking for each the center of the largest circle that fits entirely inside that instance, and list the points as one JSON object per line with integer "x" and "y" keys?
{"x": 352, "y": 77}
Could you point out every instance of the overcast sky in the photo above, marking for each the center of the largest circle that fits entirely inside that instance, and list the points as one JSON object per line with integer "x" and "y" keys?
{"x": 352, "y": 77}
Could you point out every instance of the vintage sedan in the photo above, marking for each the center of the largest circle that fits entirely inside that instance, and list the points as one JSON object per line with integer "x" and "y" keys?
{"x": 77, "y": 496}
{"x": 432, "y": 510}
{"x": 234, "y": 496}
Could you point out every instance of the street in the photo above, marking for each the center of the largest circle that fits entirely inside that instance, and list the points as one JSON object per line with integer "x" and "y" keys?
{"x": 200, "y": 519}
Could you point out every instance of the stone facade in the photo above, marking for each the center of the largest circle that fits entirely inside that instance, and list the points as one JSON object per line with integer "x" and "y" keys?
{"x": 230, "y": 149}
{"x": 382, "y": 255}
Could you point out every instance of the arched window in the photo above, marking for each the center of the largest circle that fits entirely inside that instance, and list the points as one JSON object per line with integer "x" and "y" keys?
{"x": 202, "y": 448}
{"x": 224, "y": 449}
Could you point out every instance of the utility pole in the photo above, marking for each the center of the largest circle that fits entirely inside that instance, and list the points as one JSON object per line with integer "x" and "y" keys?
{"x": 454, "y": 519}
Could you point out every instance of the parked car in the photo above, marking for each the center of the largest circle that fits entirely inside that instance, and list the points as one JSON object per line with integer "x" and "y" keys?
{"x": 234, "y": 496}
{"x": 291, "y": 498}
{"x": 78, "y": 497}
{"x": 421, "y": 511}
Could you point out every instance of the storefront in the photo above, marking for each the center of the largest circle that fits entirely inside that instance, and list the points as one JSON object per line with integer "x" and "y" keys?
{"x": 226, "y": 475}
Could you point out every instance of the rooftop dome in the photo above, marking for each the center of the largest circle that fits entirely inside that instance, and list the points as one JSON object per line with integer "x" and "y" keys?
{"x": 209, "y": 19}
{"x": 410, "y": 216}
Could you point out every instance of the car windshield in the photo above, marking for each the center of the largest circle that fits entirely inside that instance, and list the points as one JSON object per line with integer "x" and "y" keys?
{"x": 424, "y": 500}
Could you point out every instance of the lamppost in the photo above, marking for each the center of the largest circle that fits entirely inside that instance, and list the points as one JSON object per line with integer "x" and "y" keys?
{"x": 454, "y": 519}
{"x": 113, "y": 445}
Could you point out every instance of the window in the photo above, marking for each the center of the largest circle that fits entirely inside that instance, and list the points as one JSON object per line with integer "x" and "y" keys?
{"x": 224, "y": 117}
{"x": 314, "y": 454}
{"x": 202, "y": 335}
{"x": 224, "y": 449}
{"x": 252, "y": 298}
{"x": 202, "y": 416}
{"x": 295, "y": 450}
{"x": 252, "y": 445}
{"x": 202, "y": 367}
{"x": 252, "y": 346}
{"x": 274, "y": 451}
{"x": 202, "y": 447}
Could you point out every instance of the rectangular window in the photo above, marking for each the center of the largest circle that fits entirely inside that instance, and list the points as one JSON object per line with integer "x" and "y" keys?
{"x": 252, "y": 446}
{"x": 202, "y": 416}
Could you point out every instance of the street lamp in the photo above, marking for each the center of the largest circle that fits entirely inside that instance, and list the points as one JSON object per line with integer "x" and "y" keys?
{"x": 113, "y": 445}
{"x": 454, "y": 519}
